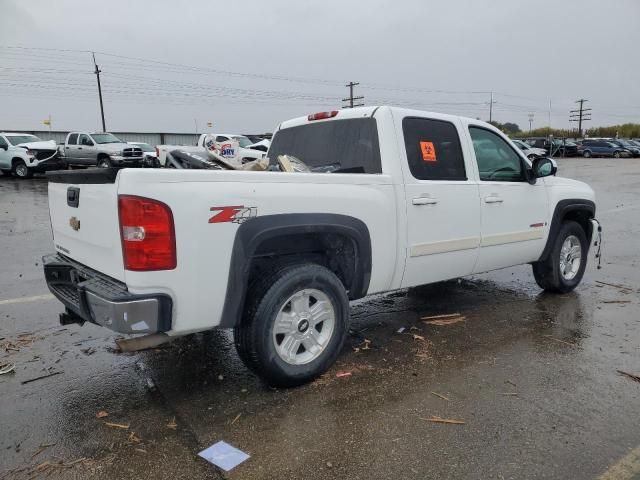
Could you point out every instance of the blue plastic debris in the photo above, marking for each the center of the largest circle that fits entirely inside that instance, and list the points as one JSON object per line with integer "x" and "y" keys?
{"x": 223, "y": 455}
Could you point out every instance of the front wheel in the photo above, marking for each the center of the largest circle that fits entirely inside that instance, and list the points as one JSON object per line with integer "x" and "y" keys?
{"x": 104, "y": 163}
{"x": 616, "y": 154}
{"x": 563, "y": 269}
{"x": 294, "y": 325}
{"x": 21, "y": 170}
{"x": 586, "y": 154}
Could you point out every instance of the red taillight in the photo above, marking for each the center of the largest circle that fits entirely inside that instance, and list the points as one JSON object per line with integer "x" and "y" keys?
{"x": 322, "y": 115}
{"x": 147, "y": 232}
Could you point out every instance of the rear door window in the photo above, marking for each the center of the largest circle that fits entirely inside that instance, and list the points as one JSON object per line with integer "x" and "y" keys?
{"x": 73, "y": 139}
{"x": 340, "y": 146}
{"x": 433, "y": 149}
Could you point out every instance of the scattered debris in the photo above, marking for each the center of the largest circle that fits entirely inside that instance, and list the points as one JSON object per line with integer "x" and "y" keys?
{"x": 102, "y": 414}
{"x": 343, "y": 374}
{"x": 15, "y": 344}
{"x": 220, "y": 377}
{"x": 363, "y": 346}
{"x": 447, "y": 315}
{"x": 133, "y": 438}
{"x": 329, "y": 465}
{"x": 151, "y": 384}
{"x": 117, "y": 425}
{"x": 41, "y": 449}
{"x": 510, "y": 383}
{"x": 172, "y": 424}
{"x": 635, "y": 378}
{"x": 621, "y": 287}
{"x": 88, "y": 351}
{"x": 8, "y": 368}
{"x": 446, "y": 321}
{"x": 616, "y": 301}
{"x": 223, "y": 455}
{"x": 418, "y": 337}
{"x": 141, "y": 450}
{"x": 236, "y": 419}
{"x": 436, "y": 419}
{"x": 401, "y": 329}
{"x": 510, "y": 394}
{"x": 440, "y": 396}
{"x": 24, "y": 382}
{"x": 558, "y": 340}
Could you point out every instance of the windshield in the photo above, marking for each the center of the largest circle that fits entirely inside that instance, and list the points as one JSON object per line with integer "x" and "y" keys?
{"x": 339, "y": 145}
{"x": 102, "y": 138}
{"x": 18, "y": 139}
{"x": 145, "y": 147}
{"x": 243, "y": 141}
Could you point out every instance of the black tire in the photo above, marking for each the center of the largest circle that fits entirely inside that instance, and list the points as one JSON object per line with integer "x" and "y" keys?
{"x": 254, "y": 336}
{"x": 104, "y": 162}
{"x": 586, "y": 154}
{"x": 21, "y": 170}
{"x": 547, "y": 272}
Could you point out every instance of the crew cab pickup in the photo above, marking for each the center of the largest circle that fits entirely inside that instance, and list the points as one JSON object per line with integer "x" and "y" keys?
{"x": 391, "y": 198}
{"x": 90, "y": 149}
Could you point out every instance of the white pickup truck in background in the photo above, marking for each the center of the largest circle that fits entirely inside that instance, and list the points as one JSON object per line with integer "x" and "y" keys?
{"x": 23, "y": 154}
{"x": 236, "y": 149}
{"x": 403, "y": 198}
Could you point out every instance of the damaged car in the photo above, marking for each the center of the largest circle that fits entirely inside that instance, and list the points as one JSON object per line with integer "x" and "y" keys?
{"x": 22, "y": 154}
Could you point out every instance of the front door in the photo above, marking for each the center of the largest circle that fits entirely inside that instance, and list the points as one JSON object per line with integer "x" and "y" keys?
{"x": 87, "y": 150}
{"x": 515, "y": 214}
{"x": 443, "y": 212}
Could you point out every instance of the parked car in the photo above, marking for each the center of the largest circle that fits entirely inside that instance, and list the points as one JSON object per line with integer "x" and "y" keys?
{"x": 602, "y": 148}
{"x": 22, "y": 154}
{"x": 90, "y": 149}
{"x": 278, "y": 256}
{"x": 528, "y": 150}
{"x": 562, "y": 148}
{"x": 149, "y": 153}
{"x": 633, "y": 149}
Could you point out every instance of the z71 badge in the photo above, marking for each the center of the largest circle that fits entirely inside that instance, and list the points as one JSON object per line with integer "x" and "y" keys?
{"x": 233, "y": 214}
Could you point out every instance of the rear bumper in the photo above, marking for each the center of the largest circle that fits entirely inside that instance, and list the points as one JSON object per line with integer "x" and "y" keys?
{"x": 90, "y": 296}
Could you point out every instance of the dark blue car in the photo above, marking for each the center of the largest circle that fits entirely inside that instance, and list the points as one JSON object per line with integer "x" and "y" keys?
{"x": 602, "y": 148}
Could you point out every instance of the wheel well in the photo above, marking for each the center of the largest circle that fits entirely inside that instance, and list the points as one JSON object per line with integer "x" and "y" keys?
{"x": 102, "y": 155}
{"x": 583, "y": 218}
{"x": 15, "y": 160}
{"x": 337, "y": 252}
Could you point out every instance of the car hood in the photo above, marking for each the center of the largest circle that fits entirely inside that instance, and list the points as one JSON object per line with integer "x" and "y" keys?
{"x": 43, "y": 145}
{"x": 574, "y": 187}
{"x": 114, "y": 147}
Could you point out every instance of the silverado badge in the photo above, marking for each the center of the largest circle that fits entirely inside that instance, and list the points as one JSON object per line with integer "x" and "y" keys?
{"x": 74, "y": 223}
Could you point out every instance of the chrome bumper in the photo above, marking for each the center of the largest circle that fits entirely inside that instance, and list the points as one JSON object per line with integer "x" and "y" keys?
{"x": 92, "y": 297}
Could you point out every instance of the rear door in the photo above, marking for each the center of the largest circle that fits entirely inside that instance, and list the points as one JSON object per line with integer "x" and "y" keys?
{"x": 441, "y": 197}
{"x": 84, "y": 219}
{"x": 71, "y": 151}
{"x": 514, "y": 213}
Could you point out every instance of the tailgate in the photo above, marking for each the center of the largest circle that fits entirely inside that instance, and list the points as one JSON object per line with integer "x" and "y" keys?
{"x": 83, "y": 206}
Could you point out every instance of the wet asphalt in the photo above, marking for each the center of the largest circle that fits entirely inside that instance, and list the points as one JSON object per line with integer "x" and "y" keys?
{"x": 534, "y": 377}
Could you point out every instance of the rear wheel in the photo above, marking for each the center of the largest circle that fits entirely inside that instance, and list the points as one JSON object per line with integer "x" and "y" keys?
{"x": 294, "y": 325}
{"x": 20, "y": 169}
{"x": 616, "y": 154}
{"x": 586, "y": 154}
{"x": 563, "y": 269}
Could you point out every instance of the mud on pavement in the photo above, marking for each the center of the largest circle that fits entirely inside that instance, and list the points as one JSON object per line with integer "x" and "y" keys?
{"x": 529, "y": 380}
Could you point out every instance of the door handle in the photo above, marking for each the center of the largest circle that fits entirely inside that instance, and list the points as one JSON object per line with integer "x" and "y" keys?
{"x": 79, "y": 148}
{"x": 493, "y": 199}
{"x": 424, "y": 201}
{"x": 66, "y": 148}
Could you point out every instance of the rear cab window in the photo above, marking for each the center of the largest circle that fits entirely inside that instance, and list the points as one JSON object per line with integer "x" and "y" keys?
{"x": 433, "y": 149}
{"x": 338, "y": 146}
{"x": 73, "y": 139}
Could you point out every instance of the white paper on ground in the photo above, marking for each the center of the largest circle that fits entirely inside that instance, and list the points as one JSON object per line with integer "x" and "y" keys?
{"x": 223, "y": 455}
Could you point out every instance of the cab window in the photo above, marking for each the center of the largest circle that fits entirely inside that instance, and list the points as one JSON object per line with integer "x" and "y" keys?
{"x": 85, "y": 140}
{"x": 73, "y": 139}
{"x": 433, "y": 149}
{"x": 3, "y": 143}
{"x": 497, "y": 160}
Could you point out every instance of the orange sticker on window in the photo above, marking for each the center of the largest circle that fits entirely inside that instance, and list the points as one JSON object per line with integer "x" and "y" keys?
{"x": 428, "y": 151}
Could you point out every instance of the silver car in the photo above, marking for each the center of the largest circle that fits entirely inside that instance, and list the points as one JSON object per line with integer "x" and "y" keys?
{"x": 100, "y": 149}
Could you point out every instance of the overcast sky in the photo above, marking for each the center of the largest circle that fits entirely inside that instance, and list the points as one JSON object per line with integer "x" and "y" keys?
{"x": 245, "y": 65}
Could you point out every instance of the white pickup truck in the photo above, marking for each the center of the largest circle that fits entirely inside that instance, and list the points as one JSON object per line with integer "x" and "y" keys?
{"x": 398, "y": 198}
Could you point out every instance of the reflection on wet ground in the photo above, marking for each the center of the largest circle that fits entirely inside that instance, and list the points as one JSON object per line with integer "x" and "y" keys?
{"x": 532, "y": 376}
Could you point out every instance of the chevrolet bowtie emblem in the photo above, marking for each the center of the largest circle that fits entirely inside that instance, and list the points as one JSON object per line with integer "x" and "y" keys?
{"x": 74, "y": 223}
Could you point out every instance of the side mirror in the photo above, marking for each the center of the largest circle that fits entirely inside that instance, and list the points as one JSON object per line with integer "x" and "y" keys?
{"x": 543, "y": 167}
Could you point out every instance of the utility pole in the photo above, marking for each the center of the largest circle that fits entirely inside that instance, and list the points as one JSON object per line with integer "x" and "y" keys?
{"x": 530, "y": 121}
{"x": 351, "y": 98}
{"x": 97, "y": 72}
{"x": 491, "y": 102}
{"x": 580, "y": 115}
